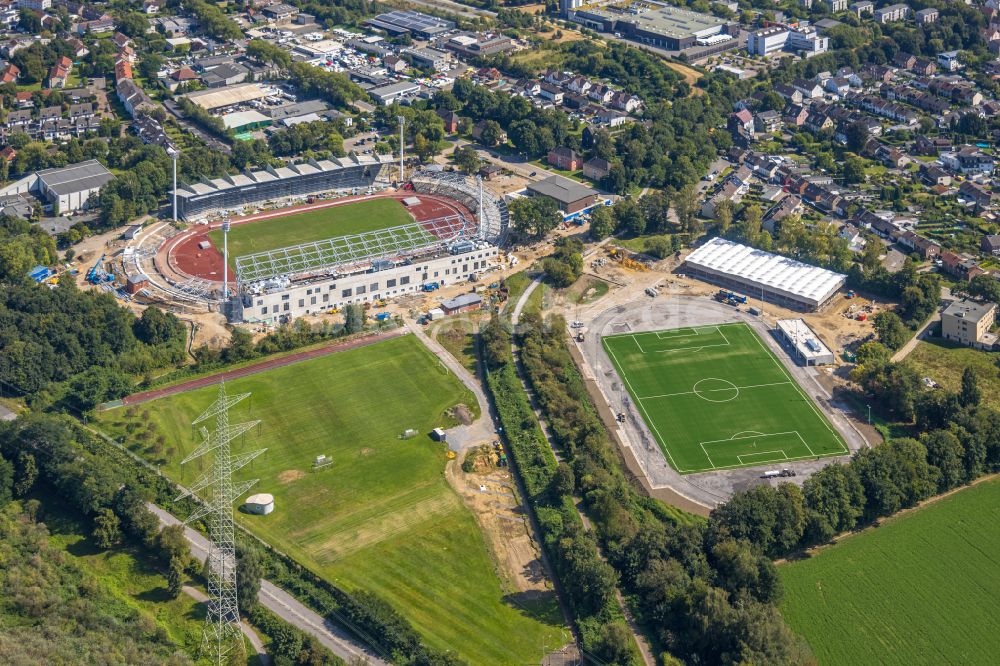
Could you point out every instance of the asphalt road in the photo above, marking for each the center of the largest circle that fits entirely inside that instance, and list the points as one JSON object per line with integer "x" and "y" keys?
{"x": 285, "y": 605}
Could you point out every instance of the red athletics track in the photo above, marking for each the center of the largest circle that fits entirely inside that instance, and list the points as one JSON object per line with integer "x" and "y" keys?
{"x": 182, "y": 256}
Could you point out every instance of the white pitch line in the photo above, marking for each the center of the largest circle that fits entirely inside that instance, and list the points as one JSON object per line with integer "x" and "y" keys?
{"x": 784, "y": 456}
{"x": 636, "y": 341}
{"x": 728, "y": 388}
{"x": 705, "y": 451}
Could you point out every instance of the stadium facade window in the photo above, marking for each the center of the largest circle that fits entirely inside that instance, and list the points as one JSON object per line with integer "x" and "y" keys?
{"x": 390, "y": 283}
{"x": 404, "y": 280}
{"x": 361, "y": 290}
{"x": 263, "y": 310}
{"x": 285, "y": 297}
{"x": 302, "y": 302}
{"x": 286, "y": 307}
{"x": 326, "y": 298}
{"x": 373, "y": 286}
{"x": 312, "y": 301}
{"x": 346, "y": 293}
{"x": 274, "y": 308}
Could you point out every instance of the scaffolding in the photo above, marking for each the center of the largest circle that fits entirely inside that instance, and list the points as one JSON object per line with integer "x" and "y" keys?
{"x": 222, "y": 635}
{"x": 341, "y": 254}
{"x": 492, "y": 212}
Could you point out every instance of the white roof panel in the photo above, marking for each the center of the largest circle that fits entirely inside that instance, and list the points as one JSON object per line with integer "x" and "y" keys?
{"x": 760, "y": 268}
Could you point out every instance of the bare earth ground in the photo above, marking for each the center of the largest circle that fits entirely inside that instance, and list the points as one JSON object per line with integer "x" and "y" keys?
{"x": 489, "y": 493}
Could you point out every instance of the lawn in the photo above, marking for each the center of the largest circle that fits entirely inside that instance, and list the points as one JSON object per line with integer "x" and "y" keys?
{"x": 918, "y": 590}
{"x": 382, "y": 517}
{"x": 588, "y": 290}
{"x": 715, "y": 397}
{"x": 944, "y": 362}
{"x": 458, "y": 337}
{"x": 313, "y": 225}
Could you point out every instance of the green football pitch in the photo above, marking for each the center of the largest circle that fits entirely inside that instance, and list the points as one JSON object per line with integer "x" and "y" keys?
{"x": 715, "y": 397}
{"x": 313, "y": 225}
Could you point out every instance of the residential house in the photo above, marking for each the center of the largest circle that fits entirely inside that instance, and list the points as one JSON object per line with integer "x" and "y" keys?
{"x": 10, "y": 74}
{"x": 969, "y": 323}
{"x": 904, "y": 60}
{"x": 451, "y": 120}
{"x": 862, "y": 7}
{"x": 625, "y": 102}
{"x": 837, "y": 85}
{"x": 767, "y": 122}
{"x": 968, "y": 160}
{"x": 596, "y": 168}
{"x": 897, "y": 12}
{"x": 741, "y": 120}
{"x": 789, "y": 93}
{"x": 924, "y": 67}
{"x": 565, "y": 158}
{"x": 925, "y": 16}
{"x": 925, "y": 247}
{"x": 962, "y": 266}
{"x": 795, "y": 115}
{"x": 975, "y": 194}
{"x": 932, "y": 174}
{"x": 395, "y": 64}
{"x": 59, "y": 72}
{"x": 477, "y": 132}
{"x": 788, "y": 205}
{"x": 120, "y": 40}
{"x": 809, "y": 89}
{"x": 551, "y": 92}
{"x": 991, "y": 245}
{"x": 948, "y": 61}
{"x": 932, "y": 146}
{"x": 610, "y": 118}
{"x": 600, "y": 93}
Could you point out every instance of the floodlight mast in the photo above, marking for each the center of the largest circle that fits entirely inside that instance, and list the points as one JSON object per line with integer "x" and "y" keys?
{"x": 222, "y": 635}
{"x": 402, "y": 121}
{"x": 174, "y": 154}
{"x": 225, "y": 258}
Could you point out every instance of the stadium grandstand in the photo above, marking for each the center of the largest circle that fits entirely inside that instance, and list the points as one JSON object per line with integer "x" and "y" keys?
{"x": 311, "y": 278}
{"x": 233, "y": 193}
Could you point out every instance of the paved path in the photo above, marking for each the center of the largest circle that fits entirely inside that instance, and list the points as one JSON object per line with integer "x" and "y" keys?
{"x": 482, "y": 429}
{"x": 911, "y": 344}
{"x": 254, "y": 368}
{"x": 285, "y": 605}
{"x": 255, "y": 642}
{"x": 640, "y": 640}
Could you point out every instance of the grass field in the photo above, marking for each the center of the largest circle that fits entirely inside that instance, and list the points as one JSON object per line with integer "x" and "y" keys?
{"x": 715, "y": 397}
{"x": 383, "y": 516}
{"x": 918, "y": 590}
{"x": 314, "y": 225}
{"x": 945, "y": 361}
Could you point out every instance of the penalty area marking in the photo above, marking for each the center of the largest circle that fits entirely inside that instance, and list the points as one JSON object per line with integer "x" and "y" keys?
{"x": 784, "y": 456}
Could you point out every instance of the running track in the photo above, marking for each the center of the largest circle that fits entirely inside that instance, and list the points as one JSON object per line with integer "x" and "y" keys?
{"x": 262, "y": 366}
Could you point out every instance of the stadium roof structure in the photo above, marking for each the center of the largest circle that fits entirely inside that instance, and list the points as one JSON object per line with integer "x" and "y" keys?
{"x": 215, "y": 98}
{"x": 334, "y": 255}
{"x": 758, "y": 269}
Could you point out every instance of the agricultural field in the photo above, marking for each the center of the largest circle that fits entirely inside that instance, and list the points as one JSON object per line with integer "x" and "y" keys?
{"x": 920, "y": 589}
{"x": 382, "y": 517}
{"x": 945, "y": 361}
{"x": 313, "y": 225}
{"x": 715, "y": 397}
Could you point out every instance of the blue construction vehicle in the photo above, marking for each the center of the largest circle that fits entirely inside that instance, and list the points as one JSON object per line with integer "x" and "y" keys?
{"x": 431, "y": 286}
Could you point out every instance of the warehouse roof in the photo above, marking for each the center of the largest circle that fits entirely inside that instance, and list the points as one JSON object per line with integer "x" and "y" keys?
{"x": 78, "y": 177}
{"x": 243, "y": 118}
{"x": 219, "y": 97}
{"x": 779, "y": 274}
{"x": 562, "y": 189}
{"x": 461, "y": 301}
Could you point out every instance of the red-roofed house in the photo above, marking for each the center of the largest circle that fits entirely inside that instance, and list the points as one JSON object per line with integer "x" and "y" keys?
{"x": 60, "y": 72}
{"x": 123, "y": 70}
{"x": 10, "y": 74}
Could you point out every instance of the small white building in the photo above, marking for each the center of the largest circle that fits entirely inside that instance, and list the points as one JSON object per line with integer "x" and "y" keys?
{"x": 261, "y": 503}
{"x": 807, "y": 347}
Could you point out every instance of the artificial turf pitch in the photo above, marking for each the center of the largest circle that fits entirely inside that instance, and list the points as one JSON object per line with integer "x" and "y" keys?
{"x": 715, "y": 397}
{"x": 382, "y": 517}
{"x": 313, "y": 225}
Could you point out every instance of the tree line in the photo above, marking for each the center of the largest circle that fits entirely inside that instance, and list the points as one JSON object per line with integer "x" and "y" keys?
{"x": 73, "y": 348}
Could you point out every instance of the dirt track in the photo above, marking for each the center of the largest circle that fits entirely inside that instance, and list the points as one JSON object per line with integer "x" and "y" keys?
{"x": 268, "y": 364}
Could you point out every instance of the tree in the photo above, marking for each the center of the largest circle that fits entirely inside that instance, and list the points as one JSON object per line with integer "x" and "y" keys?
{"x": 354, "y": 318}
{"x": 565, "y": 265}
{"x": 945, "y": 452}
{"x": 890, "y": 329}
{"x": 985, "y": 287}
{"x": 491, "y": 134}
{"x": 26, "y": 473}
{"x": 602, "y": 222}
{"x": 467, "y": 159}
{"x": 107, "y": 531}
{"x": 174, "y": 545}
{"x": 249, "y": 571}
{"x": 749, "y": 227}
{"x": 834, "y": 501}
{"x": 685, "y": 205}
{"x": 724, "y": 215}
{"x": 970, "y": 395}
{"x": 175, "y": 577}
{"x": 535, "y": 216}
{"x": 629, "y": 217}
{"x": 872, "y": 354}
{"x": 854, "y": 170}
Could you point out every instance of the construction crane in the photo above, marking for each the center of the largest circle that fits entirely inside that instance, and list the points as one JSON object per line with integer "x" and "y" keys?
{"x": 97, "y": 274}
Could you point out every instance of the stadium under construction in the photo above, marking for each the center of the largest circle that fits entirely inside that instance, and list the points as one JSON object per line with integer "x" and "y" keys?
{"x": 455, "y": 234}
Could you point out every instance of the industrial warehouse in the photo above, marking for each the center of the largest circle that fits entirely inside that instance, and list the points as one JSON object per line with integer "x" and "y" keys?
{"x": 272, "y": 184}
{"x": 778, "y": 279}
{"x": 663, "y": 26}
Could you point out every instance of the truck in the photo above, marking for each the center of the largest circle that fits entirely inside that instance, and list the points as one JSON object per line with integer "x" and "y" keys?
{"x": 771, "y": 474}
{"x": 382, "y": 316}
{"x": 431, "y": 286}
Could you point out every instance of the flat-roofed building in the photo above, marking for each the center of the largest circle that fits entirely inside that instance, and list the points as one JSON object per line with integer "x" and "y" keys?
{"x": 401, "y": 22}
{"x": 66, "y": 189}
{"x": 216, "y": 98}
{"x": 969, "y": 323}
{"x": 761, "y": 274}
{"x": 805, "y": 345}
{"x": 664, "y": 26}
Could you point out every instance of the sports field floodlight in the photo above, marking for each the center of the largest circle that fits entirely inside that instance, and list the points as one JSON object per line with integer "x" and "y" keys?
{"x": 402, "y": 121}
